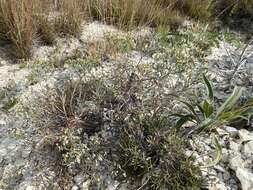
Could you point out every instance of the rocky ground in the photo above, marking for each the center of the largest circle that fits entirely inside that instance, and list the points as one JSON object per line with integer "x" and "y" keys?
{"x": 24, "y": 167}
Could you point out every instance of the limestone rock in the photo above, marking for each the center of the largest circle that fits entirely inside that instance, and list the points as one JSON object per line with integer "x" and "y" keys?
{"x": 233, "y": 132}
{"x": 245, "y": 135}
{"x": 236, "y": 162}
{"x": 248, "y": 148}
{"x": 246, "y": 178}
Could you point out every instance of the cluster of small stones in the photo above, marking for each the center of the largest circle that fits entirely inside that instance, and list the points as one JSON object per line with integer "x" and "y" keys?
{"x": 234, "y": 171}
{"x": 23, "y": 168}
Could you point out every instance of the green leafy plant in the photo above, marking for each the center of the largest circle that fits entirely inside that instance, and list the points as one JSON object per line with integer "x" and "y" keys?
{"x": 205, "y": 116}
{"x": 154, "y": 158}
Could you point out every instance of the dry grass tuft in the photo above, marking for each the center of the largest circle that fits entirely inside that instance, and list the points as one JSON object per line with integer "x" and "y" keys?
{"x": 46, "y": 29}
{"x": 70, "y": 18}
{"x": 133, "y": 13}
{"x": 21, "y": 21}
{"x": 19, "y": 27}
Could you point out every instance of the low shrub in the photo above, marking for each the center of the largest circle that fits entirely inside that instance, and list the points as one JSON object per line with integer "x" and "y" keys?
{"x": 155, "y": 158}
{"x": 69, "y": 111}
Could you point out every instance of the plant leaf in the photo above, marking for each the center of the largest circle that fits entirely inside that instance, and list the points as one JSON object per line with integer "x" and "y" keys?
{"x": 207, "y": 108}
{"x": 184, "y": 119}
{"x": 218, "y": 153}
{"x": 230, "y": 102}
{"x": 192, "y": 110}
{"x": 209, "y": 88}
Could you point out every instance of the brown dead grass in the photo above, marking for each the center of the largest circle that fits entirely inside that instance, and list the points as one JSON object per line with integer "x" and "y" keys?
{"x": 70, "y": 19}
{"x": 23, "y": 21}
{"x": 133, "y": 13}
{"x": 18, "y": 26}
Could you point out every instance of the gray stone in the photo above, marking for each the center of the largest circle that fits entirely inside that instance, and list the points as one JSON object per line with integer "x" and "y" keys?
{"x": 123, "y": 186}
{"x": 246, "y": 178}
{"x": 236, "y": 162}
{"x": 248, "y": 148}
{"x": 226, "y": 175}
{"x": 233, "y": 132}
{"x": 74, "y": 187}
{"x": 3, "y": 152}
{"x": 245, "y": 135}
{"x": 234, "y": 146}
{"x": 220, "y": 186}
{"x": 30, "y": 188}
{"x": 222, "y": 132}
{"x": 225, "y": 155}
{"x": 112, "y": 186}
{"x": 26, "y": 152}
{"x": 2, "y": 122}
{"x": 85, "y": 185}
{"x": 79, "y": 179}
{"x": 220, "y": 168}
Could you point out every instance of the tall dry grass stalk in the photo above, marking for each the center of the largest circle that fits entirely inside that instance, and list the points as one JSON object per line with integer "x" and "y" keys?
{"x": 21, "y": 21}
{"x": 19, "y": 28}
{"x": 70, "y": 17}
{"x": 129, "y": 13}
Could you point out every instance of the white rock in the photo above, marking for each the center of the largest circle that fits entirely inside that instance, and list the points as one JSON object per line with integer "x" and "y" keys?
{"x": 245, "y": 135}
{"x": 248, "y": 148}
{"x": 112, "y": 186}
{"x": 188, "y": 153}
{"x": 30, "y": 188}
{"x": 225, "y": 155}
{"x": 85, "y": 185}
{"x": 220, "y": 186}
{"x": 74, "y": 187}
{"x": 236, "y": 162}
{"x": 3, "y": 151}
{"x": 232, "y": 131}
{"x": 220, "y": 168}
{"x": 234, "y": 146}
{"x": 2, "y": 122}
{"x": 79, "y": 179}
{"x": 221, "y": 132}
{"x": 246, "y": 178}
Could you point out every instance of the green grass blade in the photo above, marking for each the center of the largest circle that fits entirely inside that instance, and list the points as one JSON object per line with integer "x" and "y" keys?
{"x": 218, "y": 153}
{"x": 207, "y": 108}
{"x": 184, "y": 119}
{"x": 209, "y": 88}
{"x": 192, "y": 110}
{"x": 230, "y": 102}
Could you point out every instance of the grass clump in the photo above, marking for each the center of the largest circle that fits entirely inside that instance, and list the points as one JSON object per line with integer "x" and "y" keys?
{"x": 68, "y": 113}
{"x": 155, "y": 158}
{"x": 198, "y": 9}
{"x": 227, "y": 8}
{"x": 133, "y": 13}
{"x": 70, "y": 19}
{"x": 46, "y": 29}
{"x": 19, "y": 27}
